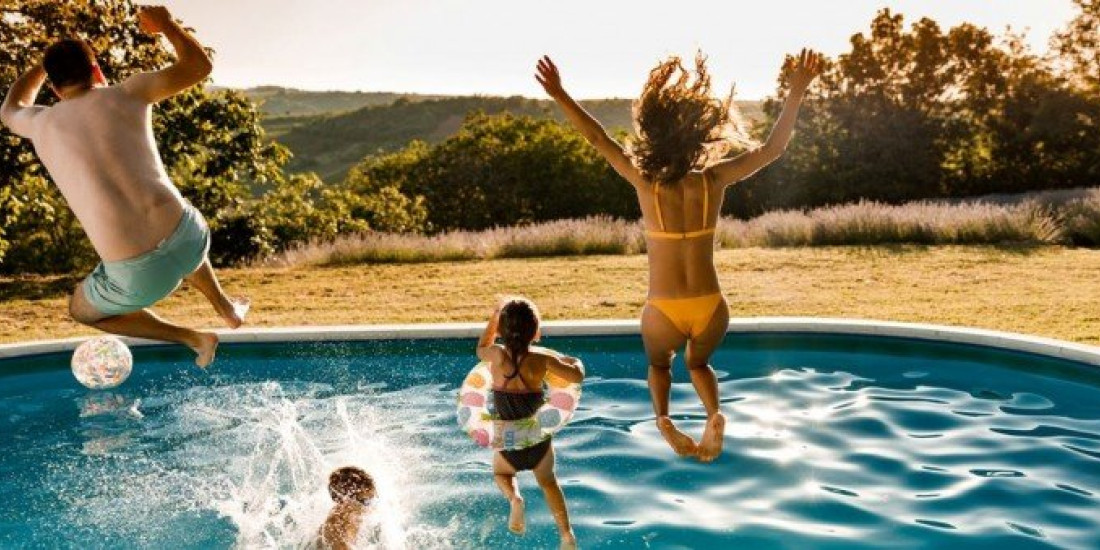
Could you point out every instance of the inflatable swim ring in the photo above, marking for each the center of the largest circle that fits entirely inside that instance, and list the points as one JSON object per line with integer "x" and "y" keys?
{"x": 476, "y": 418}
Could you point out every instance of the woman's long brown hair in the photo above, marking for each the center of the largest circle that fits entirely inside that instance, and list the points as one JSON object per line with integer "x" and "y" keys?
{"x": 680, "y": 126}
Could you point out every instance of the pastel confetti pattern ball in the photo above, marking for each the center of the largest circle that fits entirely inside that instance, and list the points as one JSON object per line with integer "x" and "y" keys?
{"x": 475, "y": 418}
{"x": 102, "y": 363}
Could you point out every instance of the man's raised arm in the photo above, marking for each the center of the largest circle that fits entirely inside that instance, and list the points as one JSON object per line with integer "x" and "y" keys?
{"x": 18, "y": 106}
{"x": 192, "y": 63}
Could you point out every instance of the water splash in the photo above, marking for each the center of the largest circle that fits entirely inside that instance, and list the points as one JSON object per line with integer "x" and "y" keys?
{"x": 259, "y": 456}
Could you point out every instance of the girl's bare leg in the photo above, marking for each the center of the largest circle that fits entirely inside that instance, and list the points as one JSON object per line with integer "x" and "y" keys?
{"x": 555, "y": 499}
{"x": 505, "y": 477}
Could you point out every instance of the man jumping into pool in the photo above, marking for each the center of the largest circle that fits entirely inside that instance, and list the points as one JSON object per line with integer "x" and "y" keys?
{"x": 677, "y": 162}
{"x": 97, "y": 144}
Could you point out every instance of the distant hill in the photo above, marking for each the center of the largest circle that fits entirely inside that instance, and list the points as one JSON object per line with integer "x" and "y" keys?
{"x": 275, "y": 101}
{"x": 331, "y": 143}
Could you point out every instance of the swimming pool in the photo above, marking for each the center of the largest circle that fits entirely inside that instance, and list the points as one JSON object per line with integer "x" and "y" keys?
{"x": 834, "y": 441}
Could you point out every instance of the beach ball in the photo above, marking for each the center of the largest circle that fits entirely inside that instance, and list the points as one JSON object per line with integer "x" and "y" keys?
{"x": 101, "y": 363}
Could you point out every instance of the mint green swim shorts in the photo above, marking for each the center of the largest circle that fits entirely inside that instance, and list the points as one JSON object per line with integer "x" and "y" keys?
{"x": 116, "y": 288}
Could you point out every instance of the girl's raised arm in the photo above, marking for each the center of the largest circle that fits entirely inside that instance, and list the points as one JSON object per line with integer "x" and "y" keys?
{"x": 808, "y": 67}
{"x": 486, "y": 345}
{"x": 547, "y": 75}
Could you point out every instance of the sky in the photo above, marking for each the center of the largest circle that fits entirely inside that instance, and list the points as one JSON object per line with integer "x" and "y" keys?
{"x": 604, "y": 48}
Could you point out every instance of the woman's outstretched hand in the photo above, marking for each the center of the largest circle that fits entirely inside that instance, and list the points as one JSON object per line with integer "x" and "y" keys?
{"x": 549, "y": 78}
{"x": 807, "y": 67}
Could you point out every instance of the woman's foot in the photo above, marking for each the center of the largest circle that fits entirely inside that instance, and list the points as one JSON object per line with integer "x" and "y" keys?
{"x": 680, "y": 442}
{"x": 233, "y": 310}
{"x": 517, "y": 522}
{"x": 713, "y": 437}
{"x": 568, "y": 541}
{"x": 205, "y": 345}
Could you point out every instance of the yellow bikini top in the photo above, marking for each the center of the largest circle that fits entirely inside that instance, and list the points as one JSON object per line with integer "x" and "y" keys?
{"x": 662, "y": 234}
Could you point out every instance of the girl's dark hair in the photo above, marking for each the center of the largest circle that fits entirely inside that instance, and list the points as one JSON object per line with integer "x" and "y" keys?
{"x": 519, "y": 323}
{"x": 349, "y": 483}
{"x": 679, "y": 126}
{"x": 69, "y": 62}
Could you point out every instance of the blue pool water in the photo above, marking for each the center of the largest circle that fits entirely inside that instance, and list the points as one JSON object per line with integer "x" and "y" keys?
{"x": 832, "y": 442}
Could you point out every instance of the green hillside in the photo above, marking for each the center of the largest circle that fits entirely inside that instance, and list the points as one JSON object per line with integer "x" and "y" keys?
{"x": 331, "y": 144}
{"x": 279, "y": 102}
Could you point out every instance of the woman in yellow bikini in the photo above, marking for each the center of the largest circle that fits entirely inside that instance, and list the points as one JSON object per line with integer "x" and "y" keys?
{"x": 680, "y": 164}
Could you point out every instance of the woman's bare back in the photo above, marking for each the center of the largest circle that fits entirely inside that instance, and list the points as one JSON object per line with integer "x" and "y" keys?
{"x": 680, "y": 268}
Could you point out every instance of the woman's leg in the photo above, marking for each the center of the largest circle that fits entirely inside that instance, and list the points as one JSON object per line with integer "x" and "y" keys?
{"x": 555, "y": 499}
{"x": 698, "y": 356}
{"x": 661, "y": 339}
{"x": 505, "y": 477}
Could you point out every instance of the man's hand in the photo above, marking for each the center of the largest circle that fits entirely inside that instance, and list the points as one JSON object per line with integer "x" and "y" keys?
{"x": 549, "y": 78}
{"x": 192, "y": 63}
{"x": 807, "y": 67}
{"x": 154, "y": 19}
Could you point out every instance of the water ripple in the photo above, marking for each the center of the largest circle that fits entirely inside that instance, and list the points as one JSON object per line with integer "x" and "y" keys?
{"x": 830, "y": 451}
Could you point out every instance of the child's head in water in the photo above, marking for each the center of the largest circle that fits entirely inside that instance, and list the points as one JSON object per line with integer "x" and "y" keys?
{"x": 519, "y": 325}
{"x": 350, "y": 484}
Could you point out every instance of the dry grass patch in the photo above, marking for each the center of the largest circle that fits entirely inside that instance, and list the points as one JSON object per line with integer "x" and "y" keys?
{"x": 1050, "y": 291}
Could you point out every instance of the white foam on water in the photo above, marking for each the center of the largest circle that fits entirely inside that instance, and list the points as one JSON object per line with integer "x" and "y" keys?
{"x": 278, "y": 493}
{"x": 260, "y": 455}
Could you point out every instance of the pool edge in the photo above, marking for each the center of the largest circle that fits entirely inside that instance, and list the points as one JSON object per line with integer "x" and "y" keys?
{"x": 1038, "y": 345}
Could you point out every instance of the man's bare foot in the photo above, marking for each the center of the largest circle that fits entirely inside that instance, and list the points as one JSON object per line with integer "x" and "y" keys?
{"x": 680, "y": 442}
{"x": 206, "y": 344}
{"x": 234, "y": 310}
{"x": 713, "y": 437}
{"x": 517, "y": 522}
{"x": 568, "y": 541}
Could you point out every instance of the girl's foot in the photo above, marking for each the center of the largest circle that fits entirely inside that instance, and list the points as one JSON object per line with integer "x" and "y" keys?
{"x": 713, "y": 437}
{"x": 680, "y": 442}
{"x": 205, "y": 345}
{"x": 517, "y": 522}
{"x": 568, "y": 541}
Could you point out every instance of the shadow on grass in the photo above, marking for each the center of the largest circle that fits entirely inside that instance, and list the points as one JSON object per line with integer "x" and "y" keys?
{"x": 37, "y": 288}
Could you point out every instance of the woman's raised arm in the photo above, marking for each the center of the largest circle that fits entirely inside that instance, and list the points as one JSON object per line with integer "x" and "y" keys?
{"x": 548, "y": 76}
{"x": 808, "y": 67}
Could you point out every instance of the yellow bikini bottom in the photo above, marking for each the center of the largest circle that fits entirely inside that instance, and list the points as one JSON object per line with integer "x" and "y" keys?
{"x": 690, "y": 315}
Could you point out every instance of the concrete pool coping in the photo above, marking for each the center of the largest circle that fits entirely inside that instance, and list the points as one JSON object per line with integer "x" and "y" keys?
{"x": 1050, "y": 347}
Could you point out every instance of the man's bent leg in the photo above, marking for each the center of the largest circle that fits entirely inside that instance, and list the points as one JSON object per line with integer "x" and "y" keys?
{"x": 206, "y": 281}
{"x": 143, "y": 324}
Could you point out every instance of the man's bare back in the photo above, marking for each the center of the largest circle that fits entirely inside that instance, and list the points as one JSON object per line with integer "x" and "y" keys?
{"x": 98, "y": 147}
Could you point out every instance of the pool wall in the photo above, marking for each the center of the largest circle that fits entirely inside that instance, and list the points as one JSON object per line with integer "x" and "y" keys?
{"x": 1050, "y": 347}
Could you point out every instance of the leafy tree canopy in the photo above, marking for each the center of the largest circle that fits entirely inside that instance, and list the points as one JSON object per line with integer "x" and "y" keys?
{"x": 212, "y": 142}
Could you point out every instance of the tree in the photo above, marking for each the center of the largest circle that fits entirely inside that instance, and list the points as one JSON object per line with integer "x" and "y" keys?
{"x": 917, "y": 112}
{"x": 1078, "y": 46}
{"x": 211, "y": 142}
{"x": 501, "y": 170}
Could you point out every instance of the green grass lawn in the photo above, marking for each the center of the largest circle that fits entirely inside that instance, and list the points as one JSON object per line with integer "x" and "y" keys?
{"x": 1049, "y": 291}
